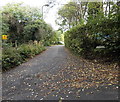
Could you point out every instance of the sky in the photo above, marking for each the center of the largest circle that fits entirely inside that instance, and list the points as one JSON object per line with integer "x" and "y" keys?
{"x": 49, "y": 16}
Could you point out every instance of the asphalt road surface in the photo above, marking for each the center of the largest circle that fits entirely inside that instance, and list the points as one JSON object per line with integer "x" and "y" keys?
{"x": 41, "y": 78}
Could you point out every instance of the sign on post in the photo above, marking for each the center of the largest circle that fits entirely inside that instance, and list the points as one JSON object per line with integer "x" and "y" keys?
{"x": 4, "y": 37}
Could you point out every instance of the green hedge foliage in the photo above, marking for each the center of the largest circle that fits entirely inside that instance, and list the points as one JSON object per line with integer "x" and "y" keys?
{"x": 83, "y": 39}
{"x": 12, "y": 56}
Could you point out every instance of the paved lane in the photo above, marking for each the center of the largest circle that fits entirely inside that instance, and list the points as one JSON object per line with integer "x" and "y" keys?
{"x": 45, "y": 78}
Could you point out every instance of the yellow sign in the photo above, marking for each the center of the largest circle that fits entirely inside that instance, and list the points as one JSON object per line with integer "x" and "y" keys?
{"x": 4, "y": 37}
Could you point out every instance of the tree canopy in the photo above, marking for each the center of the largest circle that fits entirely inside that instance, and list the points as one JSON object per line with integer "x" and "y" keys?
{"x": 23, "y": 23}
{"x": 101, "y": 28}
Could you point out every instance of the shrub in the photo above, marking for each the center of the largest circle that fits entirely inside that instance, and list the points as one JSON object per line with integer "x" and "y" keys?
{"x": 10, "y": 58}
{"x": 84, "y": 39}
{"x": 15, "y": 56}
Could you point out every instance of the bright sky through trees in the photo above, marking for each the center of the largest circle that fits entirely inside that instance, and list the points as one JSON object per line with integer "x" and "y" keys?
{"x": 50, "y": 13}
{"x": 49, "y": 16}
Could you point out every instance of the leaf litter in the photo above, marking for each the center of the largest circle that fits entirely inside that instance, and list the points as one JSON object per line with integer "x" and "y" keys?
{"x": 82, "y": 74}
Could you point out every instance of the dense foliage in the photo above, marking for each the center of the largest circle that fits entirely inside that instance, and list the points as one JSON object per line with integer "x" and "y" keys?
{"x": 105, "y": 31}
{"x": 22, "y": 24}
{"x": 15, "y": 56}
{"x": 69, "y": 15}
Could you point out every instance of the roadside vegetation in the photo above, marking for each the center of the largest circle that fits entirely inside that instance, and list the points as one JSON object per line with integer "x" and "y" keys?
{"x": 92, "y": 32}
{"x": 13, "y": 56}
{"x": 27, "y": 32}
{"x": 92, "y": 29}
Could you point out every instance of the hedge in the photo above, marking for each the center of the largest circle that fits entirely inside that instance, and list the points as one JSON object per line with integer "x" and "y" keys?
{"x": 12, "y": 56}
{"x": 83, "y": 39}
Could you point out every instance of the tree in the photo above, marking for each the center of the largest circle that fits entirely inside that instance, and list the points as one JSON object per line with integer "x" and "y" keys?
{"x": 95, "y": 11}
{"x": 23, "y": 23}
{"x": 70, "y": 15}
{"x": 98, "y": 30}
